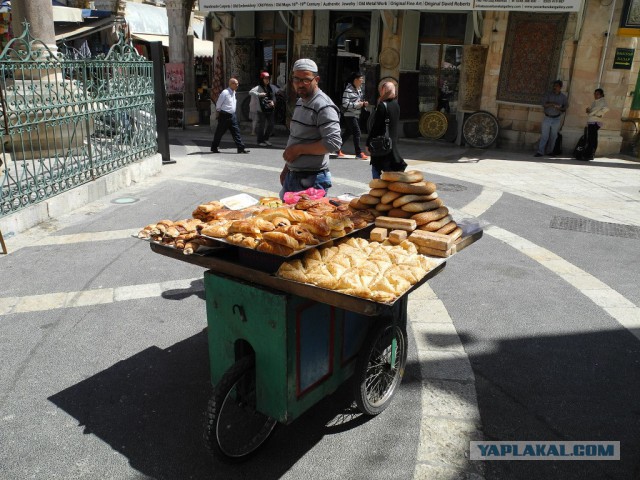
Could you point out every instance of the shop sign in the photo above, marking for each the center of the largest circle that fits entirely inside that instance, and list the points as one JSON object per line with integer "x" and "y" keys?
{"x": 623, "y": 58}
{"x": 519, "y": 5}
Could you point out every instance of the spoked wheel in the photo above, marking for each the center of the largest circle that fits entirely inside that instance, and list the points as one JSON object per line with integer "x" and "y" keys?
{"x": 234, "y": 428}
{"x": 380, "y": 367}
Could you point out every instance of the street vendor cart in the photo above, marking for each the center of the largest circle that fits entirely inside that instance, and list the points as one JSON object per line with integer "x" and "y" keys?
{"x": 277, "y": 346}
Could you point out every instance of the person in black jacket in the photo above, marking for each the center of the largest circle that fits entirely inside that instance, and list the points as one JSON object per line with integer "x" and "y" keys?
{"x": 387, "y": 105}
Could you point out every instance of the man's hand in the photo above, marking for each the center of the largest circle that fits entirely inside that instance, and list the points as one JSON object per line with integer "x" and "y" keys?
{"x": 291, "y": 153}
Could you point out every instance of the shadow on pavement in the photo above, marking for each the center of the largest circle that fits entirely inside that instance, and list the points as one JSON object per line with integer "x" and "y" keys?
{"x": 568, "y": 388}
{"x": 150, "y": 408}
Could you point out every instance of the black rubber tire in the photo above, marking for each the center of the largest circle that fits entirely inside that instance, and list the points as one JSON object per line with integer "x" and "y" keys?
{"x": 230, "y": 442}
{"x": 375, "y": 378}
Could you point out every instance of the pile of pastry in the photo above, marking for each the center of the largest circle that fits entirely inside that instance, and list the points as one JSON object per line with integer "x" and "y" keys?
{"x": 280, "y": 231}
{"x": 377, "y": 271}
{"x": 407, "y": 203}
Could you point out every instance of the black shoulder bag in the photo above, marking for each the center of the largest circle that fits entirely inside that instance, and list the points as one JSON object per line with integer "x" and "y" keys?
{"x": 381, "y": 144}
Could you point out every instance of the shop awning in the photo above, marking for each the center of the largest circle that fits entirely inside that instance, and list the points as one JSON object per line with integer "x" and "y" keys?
{"x": 201, "y": 48}
{"x": 72, "y": 32}
{"x": 67, "y": 14}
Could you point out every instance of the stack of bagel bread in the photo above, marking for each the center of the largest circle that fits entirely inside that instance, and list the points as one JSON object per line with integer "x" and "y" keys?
{"x": 410, "y": 209}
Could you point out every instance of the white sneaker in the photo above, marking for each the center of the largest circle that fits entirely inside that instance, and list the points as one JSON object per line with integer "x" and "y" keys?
{"x": 269, "y": 144}
{"x": 263, "y": 144}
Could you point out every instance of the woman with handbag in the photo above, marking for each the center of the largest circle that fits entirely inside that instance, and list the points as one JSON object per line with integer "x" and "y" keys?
{"x": 266, "y": 95}
{"x": 382, "y": 142}
{"x": 353, "y": 104}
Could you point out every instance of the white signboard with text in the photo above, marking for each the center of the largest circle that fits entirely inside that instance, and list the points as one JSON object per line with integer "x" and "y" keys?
{"x": 515, "y": 5}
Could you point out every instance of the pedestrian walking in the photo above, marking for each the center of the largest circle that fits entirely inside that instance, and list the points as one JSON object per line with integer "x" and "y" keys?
{"x": 314, "y": 133}
{"x": 227, "y": 120}
{"x": 265, "y": 93}
{"x": 555, "y": 103}
{"x": 353, "y": 104}
{"x": 385, "y": 123}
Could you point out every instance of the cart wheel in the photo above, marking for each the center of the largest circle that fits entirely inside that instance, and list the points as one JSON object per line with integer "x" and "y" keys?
{"x": 380, "y": 367}
{"x": 234, "y": 428}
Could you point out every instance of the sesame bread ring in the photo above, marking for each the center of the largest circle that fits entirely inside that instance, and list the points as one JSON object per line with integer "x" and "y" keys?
{"x": 378, "y": 192}
{"x": 398, "y": 213}
{"x": 419, "y": 188}
{"x": 384, "y": 207}
{"x": 426, "y": 217}
{"x": 369, "y": 199}
{"x": 436, "y": 224}
{"x": 417, "y": 207}
{"x": 456, "y": 234}
{"x": 411, "y": 176}
{"x": 377, "y": 183}
{"x": 404, "y": 199}
{"x": 390, "y": 196}
{"x": 448, "y": 228}
{"x": 357, "y": 205}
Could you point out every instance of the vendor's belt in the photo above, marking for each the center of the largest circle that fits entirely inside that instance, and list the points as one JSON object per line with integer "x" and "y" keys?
{"x": 306, "y": 173}
{"x": 552, "y": 116}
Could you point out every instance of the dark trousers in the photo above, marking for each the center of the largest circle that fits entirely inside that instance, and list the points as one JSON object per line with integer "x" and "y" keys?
{"x": 592, "y": 139}
{"x": 227, "y": 121}
{"x": 268, "y": 118}
{"x": 353, "y": 128}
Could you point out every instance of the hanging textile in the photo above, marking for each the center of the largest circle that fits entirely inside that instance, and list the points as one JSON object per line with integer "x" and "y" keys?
{"x": 218, "y": 75}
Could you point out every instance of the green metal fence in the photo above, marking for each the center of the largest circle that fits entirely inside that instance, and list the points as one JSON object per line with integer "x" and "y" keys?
{"x": 65, "y": 121}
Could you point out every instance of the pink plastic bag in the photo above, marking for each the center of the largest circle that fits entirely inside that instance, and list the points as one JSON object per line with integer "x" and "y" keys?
{"x": 312, "y": 193}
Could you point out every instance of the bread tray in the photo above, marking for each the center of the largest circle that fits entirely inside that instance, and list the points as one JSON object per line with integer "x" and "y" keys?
{"x": 202, "y": 250}
{"x": 269, "y": 262}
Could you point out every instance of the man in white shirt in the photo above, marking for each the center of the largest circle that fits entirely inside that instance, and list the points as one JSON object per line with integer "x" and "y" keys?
{"x": 227, "y": 120}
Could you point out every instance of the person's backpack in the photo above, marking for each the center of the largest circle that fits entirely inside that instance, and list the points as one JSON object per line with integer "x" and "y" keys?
{"x": 557, "y": 148}
{"x": 580, "y": 152}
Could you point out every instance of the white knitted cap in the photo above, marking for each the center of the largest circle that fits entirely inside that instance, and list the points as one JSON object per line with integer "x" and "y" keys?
{"x": 305, "y": 64}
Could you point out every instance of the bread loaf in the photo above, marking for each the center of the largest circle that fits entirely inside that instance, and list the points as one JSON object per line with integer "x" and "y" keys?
{"x": 390, "y": 196}
{"x": 397, "y": 236}
{"x": 456, "y": 234}
{"x": 378, "y": 234}
{"x": 426, "y": 217}
{"x": 404, "y": 199}
{"x": 383, "y": 207}
{"x": 431, "y": 239}
{"x": 378, "y": 183}
{"x": 434, "y": 253}
{"x": 396, "y": 223}
{"x": 448, "y": 228}
{"x": 436, "y": 224}
{"x": 378, "y": 192}
{"x": 399, "y": 213}
{"x": 419, "y": 188}
{"x": 417, "y": 207}
{"x": 410, "y": 176}
{"x": 356, "y": 204}
{"x": 369, "y": 199}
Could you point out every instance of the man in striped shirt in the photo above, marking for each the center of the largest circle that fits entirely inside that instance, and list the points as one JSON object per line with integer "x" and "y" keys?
{"x": 313, "y": 134}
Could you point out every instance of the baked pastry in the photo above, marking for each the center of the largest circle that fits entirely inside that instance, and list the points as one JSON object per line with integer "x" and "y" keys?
{"x": 275, "y": 249}
{"x": 282, "y": 239}
{"x": 410, "y": 176}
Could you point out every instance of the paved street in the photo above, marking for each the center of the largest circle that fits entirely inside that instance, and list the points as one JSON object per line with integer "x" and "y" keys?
{"x": 532, "y": 333}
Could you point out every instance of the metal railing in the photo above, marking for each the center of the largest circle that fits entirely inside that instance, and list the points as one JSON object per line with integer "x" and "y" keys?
{"x": 66, "y": 121}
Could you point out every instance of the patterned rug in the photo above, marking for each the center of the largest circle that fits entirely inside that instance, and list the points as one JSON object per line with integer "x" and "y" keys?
{"x": 531, "y": 57}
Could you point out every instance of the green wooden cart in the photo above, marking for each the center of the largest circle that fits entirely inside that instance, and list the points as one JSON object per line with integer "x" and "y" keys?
{"x": 277, "y": 347}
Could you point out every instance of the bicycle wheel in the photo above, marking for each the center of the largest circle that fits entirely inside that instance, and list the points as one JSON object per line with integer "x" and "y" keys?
{"x": 480, "y": 129}
{"x": 234, "y": 428}
{"x": 380, "y": 367}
